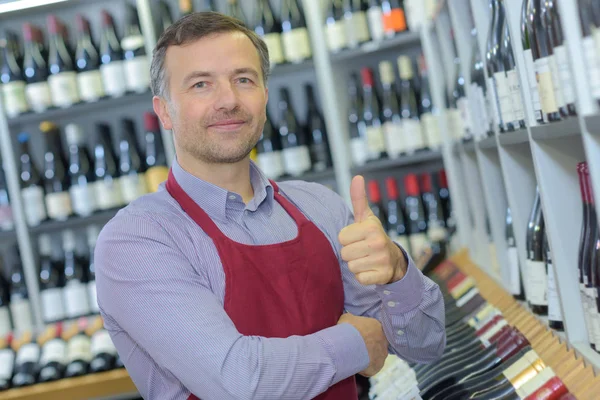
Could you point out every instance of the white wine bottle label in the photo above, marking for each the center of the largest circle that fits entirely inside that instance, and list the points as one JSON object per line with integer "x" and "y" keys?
{"x": 155, "y": 176}
{"x": 38, "y": 96}
{"x": 102, "y": 343}
{"x": 63, "y": 88}
{"x": 336, "y": 36}
{"x": 29, "y": 352}
{"x": 436, "y": 231}
{"x": 360, "y": 26}
{"x": 90, "y": 85}
{"x": 93, "y": 297}
{"x": 418, "y": 242}
{"x": 394, "y": 140}
{"x": 352, "y": 40}
{"x": 5, "y": 324}
{"x": 462, "y": 105}
{"x": 504, "y": 98}
{"x": 113, "y": 78}
{"x": 76, "y": 299}
{"x": 482, "y": 109}
{"x": 515, "y": 276}
{"x": 273, "y": 41}
{"x": 493, "y": 101}
{"x": 15, "y": 102}
{"x": 467, "y": 297}
{"x": 296, "y": 160}
{"x": 78, "y": 348}
{"x": 566, "y": 80}
{"x": 375, "y": 18}
{"x": 591, "y": 62}
{"x": 59, "y": 205}
{"x": 431, "y": 131}
{"x": 296, "y": 45}
{"x": 360, "y": 153}
{"x": 108, "y": 193}
{"x": 556, "y": 84}
{"x": 54, "y": 350}
{"x": 137, "y": 74}
{"x": 34, "y": 204}
{"x": 543, "y": 76}
{"x": 533, "y": 88}
{"x": 133, "y": 186}
{"x": 53, "y": 308}
{"x": 83, "y": 199}
{"x": 412, "y": 134}
{"x": 595, "y": 320}
{"x": 21, "y": 314}
{"x": 375, "y": 139}
{"x": 7, "y": 362}
{"x": 271, "y": 164}
{"x": 515, "y": 95}
{"x": 589, "y": 308}
{"x": 586, "y": 314}
{"x": 537, "y": 280}
{"x": 554, "y": 312}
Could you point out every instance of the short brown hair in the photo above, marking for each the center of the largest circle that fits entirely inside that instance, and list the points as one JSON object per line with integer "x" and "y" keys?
{"x": 194, "y": 27}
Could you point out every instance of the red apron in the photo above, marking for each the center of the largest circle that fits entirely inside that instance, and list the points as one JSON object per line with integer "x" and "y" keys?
{"x": 278, "y": 290}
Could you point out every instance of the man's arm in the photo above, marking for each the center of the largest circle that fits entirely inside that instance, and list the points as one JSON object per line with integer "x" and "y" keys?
{"x": 151, "y": 290}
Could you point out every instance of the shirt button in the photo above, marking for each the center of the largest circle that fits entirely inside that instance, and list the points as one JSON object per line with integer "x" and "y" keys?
{"x": 391, "y": 304}
{"x": 387, "y": 292}
{"x": 400, "y": 332}
{"x": 231, "y": 197}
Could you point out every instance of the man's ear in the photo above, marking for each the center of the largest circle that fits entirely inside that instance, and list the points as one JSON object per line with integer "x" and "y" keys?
{"x": 161, "y": 109}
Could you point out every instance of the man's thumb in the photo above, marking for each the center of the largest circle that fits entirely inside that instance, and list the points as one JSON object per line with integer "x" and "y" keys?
{"x": 358, "y": 195}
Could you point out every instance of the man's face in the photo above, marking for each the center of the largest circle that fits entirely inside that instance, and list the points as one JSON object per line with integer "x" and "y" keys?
{"x": 217, "y": 98}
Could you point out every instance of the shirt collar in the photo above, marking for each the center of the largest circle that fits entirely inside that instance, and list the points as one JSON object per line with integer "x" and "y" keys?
{"x": 215, "y": 201}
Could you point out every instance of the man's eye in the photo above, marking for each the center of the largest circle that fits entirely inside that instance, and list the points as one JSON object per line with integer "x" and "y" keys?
{"x": 245, "y": 80}
{"x": 200, "y": 85}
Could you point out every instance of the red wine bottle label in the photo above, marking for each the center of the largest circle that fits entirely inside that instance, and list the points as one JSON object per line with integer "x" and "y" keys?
{"x": 29, "y": 352}
{"x": 554, "y": 312}
{"x": 543, "y": 75}
{"x": 63, "y": 88}
{"x": 412, "y": 134}
{"x": 83, "y": 199}
{"x": 20, "y": 310}
{"x": 504, "y": 98}
{"x": 465, "y": 114}
{"x": 137, "y": 74}
{"x": 566, "y": 80}
{"x": 34, "y": 205}
{"x": 375, "y": 139}
{"x": 537, "y": 283}
{"x": 271, "y": 164}
{"x": 535, "y": 383}
{"x": 133, "y": 186}
{"x": 336, "y": 35}
{"x": 553, "y": 389}
{"x": 273, "y": 41}
{"x": 375, "y": 19}
{"x": 296, "y": 45}
{"x": 53, "y": 308}
{"x": 296, "y": 160}
{"x": 59, "y": 205}
{"x": 90, "y": 85}
{"x": 533, "y": 89}
{"x": 515, "y": 95}
{"x": 591, "y": 63}
{"x": 78, "y": 348}
{"x": 431, "y": 130}
{"x": 113, "y": 78}
{"x": 556, "y": 84}
{"x": 108, "y": 193}
{"x": 513, "y": 265}
{"x": 93, "y": 297}
{"x": 38, "y": 96}
{"x": 102, "y": 343}
{"x": 13, "y": 94}
{"x": 7, "y": 360}
{"x": 493, "y": 101}
{"x": 54, "y": 350}
{"x": 76, "y": 299}
{"x": 358, "y": 148}
{"x": 394, "y": 21}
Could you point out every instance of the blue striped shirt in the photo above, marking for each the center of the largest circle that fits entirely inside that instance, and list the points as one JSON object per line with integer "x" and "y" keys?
{"x": 161, "y": 289}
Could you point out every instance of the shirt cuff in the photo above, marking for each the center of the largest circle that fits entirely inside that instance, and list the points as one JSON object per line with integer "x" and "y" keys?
{"x": 346, "y": 348}
{"x": 403, "y": 295}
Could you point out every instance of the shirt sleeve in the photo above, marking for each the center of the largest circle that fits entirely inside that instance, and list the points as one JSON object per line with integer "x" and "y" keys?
{"x": 148, "y": 287}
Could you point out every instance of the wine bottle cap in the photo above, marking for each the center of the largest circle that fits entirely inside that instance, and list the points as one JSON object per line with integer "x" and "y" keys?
{"x": 374, "y": 192}
{"x": 45, "y": 243}
{"x": 23, "y": 137}
{"x": 68, "y": 237}
{"x": 426, "y": 183}
{"x": 386, "y": 72}
{"x": 411, "y": 185}
{"x": 405, "y": 67}
{"x": 443, "y": 179}
{"x": 53, "y": 24}
{"x": 392, "y": 188}
{"x": 367, "y": 76}
{"x": 27, "y": 32}
{"x": 47, "y": 126}
{"x": 151, "y": 122}
{"x": 74, "y": 134}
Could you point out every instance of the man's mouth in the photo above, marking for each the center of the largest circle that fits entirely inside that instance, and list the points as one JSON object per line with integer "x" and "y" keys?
{"x": 227, "y": 124}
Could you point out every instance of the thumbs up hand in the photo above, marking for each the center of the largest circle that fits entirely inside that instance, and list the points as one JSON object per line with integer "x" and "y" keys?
{"x": 371, "y": 255}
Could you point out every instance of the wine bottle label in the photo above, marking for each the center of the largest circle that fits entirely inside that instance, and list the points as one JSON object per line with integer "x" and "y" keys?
{"x": 413, "y": 137}
{"x": 375, "y": 19}
{"x": 394, "y": 140}
{"x": 493, "y": 101}
{"x": 63, "y": 88}
{"x": 431, "y": 130}
{"x": 535, "y": 383}
{"x": 360, "y": 26}
{"x": 83, "y": 199}
{"x": 296, "y": 45}
{"x": 79, "y": 349}
{"x": 462, "y": 288}
{"x": 15, "y": 102}
{"x": 504, "y": 98}
{"x": 59, "y": 205}
{"x": 556, "y": 84}
{"x": 543, "y": 76}
{"x": 515, "y": 95}
{"x": 554, "y": 312}
{"x": 552, "y": 389}
{"x": 436, "y": 231}
{"x": 566, "y": 80}
{"x": 319, "y": 154}
{"x": 271, "y": 164}
{"x": 358, "y": 148}
{"x": 467, "y": 297}
{"x": 457, "y": 123}
{"x": 76, "y": 299}
{"x": 6, "y": 216}
{"x": 515, "y": 369}
{"x": 296, "y": 160}
{"x": 29, "y": 352}
{"x": 20, "y": 310}
{"x": 7, "y": 362}
{"x": 462, "y": 105}
{"x": 54, "y": 350}
{"x": 537, "y": 283}
{"x": 53, "y": 308}
{"x": 595, "y": 321}
{"x": 102, "y": 343}
{"x": 481, "y": 108}
{"x": 375, "y": 139}
{"x": 93, "y": 297}
{"x": 515, "y": 276}
{"x": 38, "y": 96}
{"x": 587, "y": 316}
{"x": 394, "y": 21}
{"x": 113, "y": 78}
{"x": 155, "y": 176}
{"x": 418, "y": 243}
{"x": 5, "y": 324}
{"x": 137, "y": 74}
{"x": 533, "y": 89}
{"x": 90, "y": 85}
{"x": 591, "y": 62}
{"x": 133, "y": 186}
{"x": 35, "y": 207}
{"x": 273, "y": 41}
{"x": 336, "y": 36}
{"x": 490, "y": 333}
{"x": 108, "y": 193}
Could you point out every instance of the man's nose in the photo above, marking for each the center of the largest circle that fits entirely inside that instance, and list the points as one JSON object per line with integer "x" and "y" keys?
{"x": 227, "y": 97}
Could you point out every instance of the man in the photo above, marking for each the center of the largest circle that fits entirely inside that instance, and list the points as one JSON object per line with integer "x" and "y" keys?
{"x": 224, "y": 285}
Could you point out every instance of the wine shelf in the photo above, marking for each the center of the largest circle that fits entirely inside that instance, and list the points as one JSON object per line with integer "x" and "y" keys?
{"x": 311, "y": 176}
{"x": 74, "y": 222}
{"x": 588, "y": 354}
{"x": 8, "y": 236}
{"x": 403, "y": 39}
{"x": 565, "y": 128}
{"x": 469, "y": 146}
{"x": 488, "y": 143}
{"x": 417, "y": 158}
{"x": 516, "y": 137}
{"x": 12, "y": 6}
{"x": 289, "y": 68}
{"x": 592, "y": 124}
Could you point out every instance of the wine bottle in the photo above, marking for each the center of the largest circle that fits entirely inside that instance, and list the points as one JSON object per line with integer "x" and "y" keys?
{"x": 81, "y": 172}
{"x": 417, "y": 224}
{"x": 376, "y": 203}
{"x": 375, "y": 18}
{"x": 268, "y": 28}
{"x": 156, "y": 159}
{"x": 355, "y": 22}
{"x": 319, "y": 146}
{"x": 26, "y": 363}
{"x": 6, "y": 216}
{"x": 12, "y": 80}
{"x": 35, "y": 69}
{"x": 132, "y": 180}
{"x": 371, "y": 123}
{"x": 491, "y": 55}
{"x": 234, "y": 10}
{"x": 445, "y": 201}
{"x": 87, "y": 61}
{"x": 79, "y": 352}
{"x": 555, "y": 320}
{"x": 516, "y": 279}
{"x": 92, "y": 233}
{"x": 32, "y": 190}
{"x": 106, "y": 169}
{"x": 62, "y": 76}
{"x": 481, "y": 118}
{"x": 394, "y": 19}
{"x": 186, "y": 7}
{"x": 53, "y": 354}
{"x": 411, "y": 126}
{"x": 295, "y": 39}
{"x": 75, "y": 290}
{"x": 429, "y": 123}
{"x": 20, "y": 307}
{"x": 51, "y": 283}
{"x": 269, "y": 157}
{"x": 334, "y": 26}
{"x": 529, "y": 66}
{"x": 459, "y": 96}
{"x": 164, "y": 15}
{"x": 512, "y": 78}
{"x": 5, "y": 322}
{"x": 358, "y": 141}
{"x": 136, "y": 64}
{"x": 56, "y": 176}
{"x": 590, "y": 47}
{"x": 591, "y": 270}
{"x": 111, "y": 55}
{"x": 7, "y": 362}
{"x": 102, "y": 349}
{"x": 436, "y": 227}
{"x": 296, "y": 155}
{"x": 392, "y": 120}
{"x": 536, "y": 269}
{"x": 396, "y": 221}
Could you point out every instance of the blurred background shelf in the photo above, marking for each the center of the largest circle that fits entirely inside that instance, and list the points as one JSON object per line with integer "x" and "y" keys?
{"x": 311, "y": 176}
{"x": 417, "y": 158}
{"x": 556, "y": 130}
{"x": 592, "y": 124}
{"x": 403, "y": 39}
{"x": 290, "y": 68}
{"x": 517, "y": 137}
{"x": 74, "y": 222}
{"x": 487, "y": 143}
